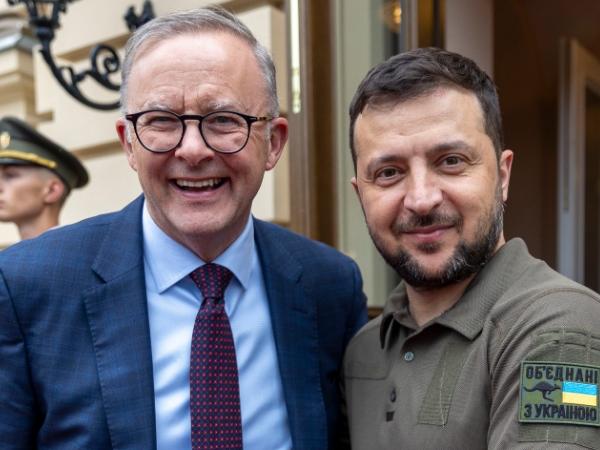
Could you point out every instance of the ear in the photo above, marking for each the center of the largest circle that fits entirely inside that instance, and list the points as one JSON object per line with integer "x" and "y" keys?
{"x": 504, "y": 168}
{"x": 121, "y": 126}
{"x": 54, "y": 191}
{"x": 354, "y": 184}
{"x": 277, "y": 141}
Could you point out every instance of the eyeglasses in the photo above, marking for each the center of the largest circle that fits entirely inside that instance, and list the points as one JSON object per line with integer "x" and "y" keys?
{"x": 161, "y": 131}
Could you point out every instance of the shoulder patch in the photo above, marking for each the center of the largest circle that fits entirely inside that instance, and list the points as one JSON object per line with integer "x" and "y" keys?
{"x": 563, "y": 393}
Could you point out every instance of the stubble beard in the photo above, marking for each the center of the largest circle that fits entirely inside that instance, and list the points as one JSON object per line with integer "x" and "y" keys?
{"x": 467, "y": 259}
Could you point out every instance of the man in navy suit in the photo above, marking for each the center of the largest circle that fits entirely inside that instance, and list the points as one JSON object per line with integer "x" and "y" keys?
{"x": 97, "y": 319}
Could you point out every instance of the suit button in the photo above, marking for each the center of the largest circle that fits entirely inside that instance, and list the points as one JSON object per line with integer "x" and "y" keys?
{"x": 409, "y": 356}
{"x": 393, "y": 395}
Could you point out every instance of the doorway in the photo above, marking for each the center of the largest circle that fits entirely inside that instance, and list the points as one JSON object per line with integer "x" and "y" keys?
{"x": 592, "y": 191}
{"x": 579, "y": 165}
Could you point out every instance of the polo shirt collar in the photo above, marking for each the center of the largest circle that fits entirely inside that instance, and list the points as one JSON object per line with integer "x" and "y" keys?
{"x": 469, "y": 314}
{"x": 169, "y": 261}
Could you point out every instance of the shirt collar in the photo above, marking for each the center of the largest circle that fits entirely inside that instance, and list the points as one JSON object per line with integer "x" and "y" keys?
{"x": 169, "y": 261}
{"x": 469, "y": 314}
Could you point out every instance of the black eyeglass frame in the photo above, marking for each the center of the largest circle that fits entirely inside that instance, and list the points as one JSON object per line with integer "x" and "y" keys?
{"x": 133, "y": 118}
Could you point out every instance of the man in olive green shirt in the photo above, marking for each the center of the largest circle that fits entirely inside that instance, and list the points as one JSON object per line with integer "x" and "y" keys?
{"x": 482, "y": 345}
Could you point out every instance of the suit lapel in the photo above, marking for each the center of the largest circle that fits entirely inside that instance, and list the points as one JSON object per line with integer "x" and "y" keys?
{"x": 118, "y": 320}
{"x": 295, "y": 327}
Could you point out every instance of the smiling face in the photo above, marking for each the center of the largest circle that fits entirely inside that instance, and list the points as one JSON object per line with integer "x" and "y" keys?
{"x": 201, "y": 198}
{"x": 430, "y": 186}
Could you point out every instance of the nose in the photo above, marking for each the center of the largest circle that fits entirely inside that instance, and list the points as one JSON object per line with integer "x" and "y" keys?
{"x": 423, "y": 193}
{"x": 193, "y": 149}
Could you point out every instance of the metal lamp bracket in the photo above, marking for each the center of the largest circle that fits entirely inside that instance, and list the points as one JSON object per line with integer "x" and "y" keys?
{"x": 104, "y": 59}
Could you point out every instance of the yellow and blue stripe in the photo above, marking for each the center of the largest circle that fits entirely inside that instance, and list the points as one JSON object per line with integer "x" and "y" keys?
{"x": 579, "y": 393}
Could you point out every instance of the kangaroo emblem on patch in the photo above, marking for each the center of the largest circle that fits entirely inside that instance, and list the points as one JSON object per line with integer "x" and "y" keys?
{"x": 561, "y": 393}
{"x": 545, "y": 388}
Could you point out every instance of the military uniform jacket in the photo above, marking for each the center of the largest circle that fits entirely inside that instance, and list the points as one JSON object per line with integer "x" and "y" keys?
{"x": 514, "y": 364}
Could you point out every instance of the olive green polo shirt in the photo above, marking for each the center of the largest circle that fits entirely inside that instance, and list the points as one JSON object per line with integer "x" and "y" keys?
{"x": 513, "y": 364}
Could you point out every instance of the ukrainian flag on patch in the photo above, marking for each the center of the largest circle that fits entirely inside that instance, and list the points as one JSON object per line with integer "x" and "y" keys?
{"x": 579, "y": 393}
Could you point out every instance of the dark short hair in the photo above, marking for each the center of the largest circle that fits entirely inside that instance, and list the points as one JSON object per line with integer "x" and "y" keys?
{"x": 418, "y": 72}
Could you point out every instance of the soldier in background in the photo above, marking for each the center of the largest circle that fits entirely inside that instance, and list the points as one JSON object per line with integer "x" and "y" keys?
{"x": 36, "y": 177}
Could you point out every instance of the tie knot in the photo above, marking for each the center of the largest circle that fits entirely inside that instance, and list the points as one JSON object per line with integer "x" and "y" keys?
{"x": 212, "y": 279}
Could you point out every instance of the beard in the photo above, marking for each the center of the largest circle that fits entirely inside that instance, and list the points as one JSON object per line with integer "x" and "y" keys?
{"x": 467, "y": 258}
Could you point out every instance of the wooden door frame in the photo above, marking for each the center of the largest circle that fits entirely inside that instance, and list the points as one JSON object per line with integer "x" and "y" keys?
{"x": 579, "y": 71}
{"x": 312, "y": 119}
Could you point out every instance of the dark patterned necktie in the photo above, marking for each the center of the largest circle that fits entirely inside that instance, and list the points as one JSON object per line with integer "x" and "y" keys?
{"x": 214, "y": 387}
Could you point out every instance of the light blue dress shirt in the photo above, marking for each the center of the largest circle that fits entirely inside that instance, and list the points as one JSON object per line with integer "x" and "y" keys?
{"x": 173, "y": 301}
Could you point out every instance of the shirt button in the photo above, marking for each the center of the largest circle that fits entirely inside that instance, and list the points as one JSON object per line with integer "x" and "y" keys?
{"x": 409, "y": 356}
{"x": 393, "y": 395}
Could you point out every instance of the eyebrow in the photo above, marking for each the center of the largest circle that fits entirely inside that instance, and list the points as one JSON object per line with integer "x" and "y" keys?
{"x": 156, "y": 105}
{"x": 223, "y": 105}
{"x": 208, "y": 106}
{"x": 380, "y": 160}
{"x": 457, "y": 144}
{"x": 215, "y": 105}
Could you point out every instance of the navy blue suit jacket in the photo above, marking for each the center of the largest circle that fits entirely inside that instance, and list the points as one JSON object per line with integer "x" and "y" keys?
{"x": 75, "y": 356}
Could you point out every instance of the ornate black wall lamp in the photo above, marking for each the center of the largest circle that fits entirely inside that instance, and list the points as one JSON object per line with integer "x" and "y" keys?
{"x": 44, "y": 19}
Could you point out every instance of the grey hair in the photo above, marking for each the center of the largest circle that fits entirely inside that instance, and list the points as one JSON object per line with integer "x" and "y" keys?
{"x": 211, "y": 18}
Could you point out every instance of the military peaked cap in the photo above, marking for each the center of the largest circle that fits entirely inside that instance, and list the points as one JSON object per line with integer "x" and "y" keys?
{"x": 22, "y": 144}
